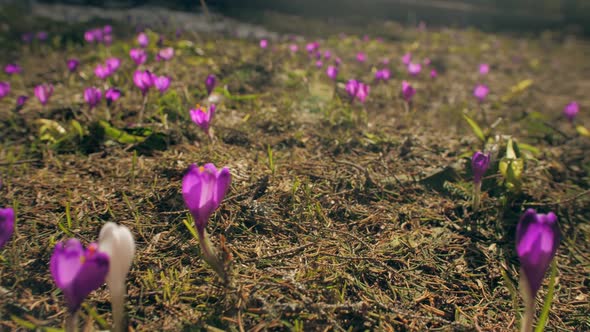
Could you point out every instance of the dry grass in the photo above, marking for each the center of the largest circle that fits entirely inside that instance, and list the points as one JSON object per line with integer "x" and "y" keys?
{"x": 346, "y": 231}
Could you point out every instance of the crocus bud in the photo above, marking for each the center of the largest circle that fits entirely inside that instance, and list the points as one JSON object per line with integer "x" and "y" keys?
{"x": 361, "y": 57}
{"x": 12, "y": 69}
{"x": 73, "y": 64}
{"x": 484, "y": 69}
{"x": 537, "y": 239}
{"x": 414, "y": 68}
{"x": 480, "y": 92}
{"x": 433, "y": 73}
{"x": 407, "y": 91}
{"x": 162, "y": 83}
{"x": 571, "y": 110}
{"x": 407, "y": 58}
{"x": 210, "y": 83}
{"x": 20, "y": 102}
{"x": 43, "y": 93}
{"x": 4, "y": 89}
{"x": 117, "y": 242}
{"x": 332, "y": 72}
{"x": 92, "y": 96}
{"x": 203, "y": 189}
{"x": 363, "y": 92}
{"x": 203, "y": 117}
{"x": 479, "y": 165}
{"x": 138, "y": 55}
{"x": 6, "y": 225}
{"x": 142, "y": 40}
{"x": 112, "y": 95}
{"x": 78, "y": 271}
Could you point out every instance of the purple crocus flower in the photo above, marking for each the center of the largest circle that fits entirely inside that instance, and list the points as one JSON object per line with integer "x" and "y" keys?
{"x": 480, "y": 92}
{"x": 210, "y": 83}
{"x": 337, "y": 61}
{"x": 144, "y": 80}
{"x": 27, "y": 37}
{"x": 108, "y": 40}
{"x": 382, "y": 75}
{"x": 92, "y": 96}
{"x": 107, "y": 29}
{"x": 138, "y": 55}
{"x": 165, "y": 54}
{"x": 73, "y": 64}
{"x": 327, "y": 55}
{"x": 263, "y": 43}
{"x": 332, "y": 72}
{"x": 352, "y": 87}
{"x": 361, "y": 57}
{"x": 113, "y": 64}
{"x": 426, "y": 62}
{"x": 78, "y": 271}
{"x": 571, "y": 110}
{"x": 42, "y": 35}
{"x": 408, "y": 91}
{"x": 363, "y": 92}
{"x": 6, "y": 225}
{"x": 12, "y": 69}
{"x": 89, "y": 36}
{"x": 20, "y": 101}
{"x": 112, "y": 95}
{"x": 537, "y": 239}
{"x": 312, "y": 47}
{"x": 484, "y": 68}
{"x": 4, "y": 89}
{"x": 433, "y": 73}
{"x": 203, "y": 117}
{"x": 407, "y": 58}
{"x": 319, "y": 64}
{"x": 294, "y": 48}
{"x": 414, "y": 68}
{"x": 203, "y": 189}
{"x": 162, "y": 83}
{"x": 43, "y": 93}
{"x": 143, "y": 40}
{"x": 479, "y": 165}
{"x": 103, "y": 71}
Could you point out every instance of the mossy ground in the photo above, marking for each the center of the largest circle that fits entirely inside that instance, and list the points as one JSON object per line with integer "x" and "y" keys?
{"x": 350, "y": 225}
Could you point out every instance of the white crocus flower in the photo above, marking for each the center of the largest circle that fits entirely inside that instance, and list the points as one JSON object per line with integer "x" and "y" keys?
{"x": 117, "y": 241}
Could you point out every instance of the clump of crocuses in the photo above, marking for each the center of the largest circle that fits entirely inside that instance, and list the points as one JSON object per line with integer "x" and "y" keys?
{"x": 382, "y": 75}
{"x": 6, "y": 225}
{"x": 480, "y": 163}
{"x": 357, "y": 90}
{"x": 77, "y": 271}
{"x": 537, "y": 239}
{"x": 203, "y": 189}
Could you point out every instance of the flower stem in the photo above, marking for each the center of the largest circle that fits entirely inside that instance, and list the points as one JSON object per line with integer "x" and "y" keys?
{"x": 476, "y": 196}
{"x": 210, "y": 255}
{"x": 529, "y": 316}
{"x": 118, "y": 308}
{"x": 72, "y": 322}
